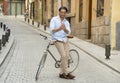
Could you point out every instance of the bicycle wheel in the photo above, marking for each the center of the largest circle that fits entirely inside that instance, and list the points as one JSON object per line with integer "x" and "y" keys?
{"x": 73, "y": 60}
{"x": 41, "y": 65}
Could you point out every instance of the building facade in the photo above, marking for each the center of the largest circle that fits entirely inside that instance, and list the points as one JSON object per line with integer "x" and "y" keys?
{"x": 13, "y": 7}
{"x": 91, "y": 20}
{"x": 115, "y": 24}
{"x": 35, "y": 9}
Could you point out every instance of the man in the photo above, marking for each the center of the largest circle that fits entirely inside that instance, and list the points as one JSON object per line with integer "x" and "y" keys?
{"x": 59, "y": 28}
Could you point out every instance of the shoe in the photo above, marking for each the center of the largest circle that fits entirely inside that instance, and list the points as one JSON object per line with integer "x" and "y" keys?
{"x": 70, "y": 76}
{"x": 63, "y": 76}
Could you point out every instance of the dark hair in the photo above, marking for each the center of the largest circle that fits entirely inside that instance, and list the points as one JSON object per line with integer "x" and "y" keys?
{"x": 63, "y": 7}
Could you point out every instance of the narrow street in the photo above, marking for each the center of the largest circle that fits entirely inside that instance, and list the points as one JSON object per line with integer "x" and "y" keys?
{"x": 29, "y": 48}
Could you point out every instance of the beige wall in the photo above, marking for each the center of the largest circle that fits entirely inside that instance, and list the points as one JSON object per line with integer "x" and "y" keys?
{"x": 31, "y": 1}
{"x": 64, "y": 3}
{"x": 55, "y": 8}
{"x": 85, "y": 8}
{"x": 114, "y": 19}
{"x": 107, "y": 8}
{"x": 49, "y": 9}
{"x": 80, "y": 29}
{"x": 94, "y": 7}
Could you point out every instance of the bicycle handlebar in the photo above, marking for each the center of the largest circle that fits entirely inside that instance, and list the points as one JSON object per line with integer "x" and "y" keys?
{"x": 45, "y": 37}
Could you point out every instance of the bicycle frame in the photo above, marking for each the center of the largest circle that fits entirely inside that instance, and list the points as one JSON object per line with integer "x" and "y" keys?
{"x": 50, "y": 52}
{"x": 58, "y": 62}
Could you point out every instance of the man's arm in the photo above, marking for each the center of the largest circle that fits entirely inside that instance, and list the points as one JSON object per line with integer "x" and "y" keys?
{"x": 56, "y": 29}
{"x": 65, "y": 30}
{"x": 62, "y": 27}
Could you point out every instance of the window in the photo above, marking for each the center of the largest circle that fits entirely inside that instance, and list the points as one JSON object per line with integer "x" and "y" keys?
{"x": 69, "y": 6}
{"x": 80, "y": 10}
{"x": 100, "y": 8}
{"x": 52, "y": 8}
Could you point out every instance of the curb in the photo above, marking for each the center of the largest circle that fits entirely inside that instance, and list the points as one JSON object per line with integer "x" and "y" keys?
{"x": 6, "y": 51}
{"x": 91, "y": 55}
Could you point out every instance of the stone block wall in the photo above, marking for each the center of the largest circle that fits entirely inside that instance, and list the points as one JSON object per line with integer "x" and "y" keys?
{"x": 100, "y": 31}
{"x": 80, "y": 30}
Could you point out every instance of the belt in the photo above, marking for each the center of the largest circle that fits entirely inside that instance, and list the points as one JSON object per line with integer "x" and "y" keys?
{"x": 59, "y": 41}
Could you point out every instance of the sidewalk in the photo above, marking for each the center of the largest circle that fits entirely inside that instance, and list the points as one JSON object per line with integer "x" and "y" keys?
{"x": 6, "y": 49}
{"x": 96, "y": 52}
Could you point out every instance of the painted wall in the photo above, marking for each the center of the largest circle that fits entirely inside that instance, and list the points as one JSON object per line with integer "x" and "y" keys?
{"x": 114, "y": 19}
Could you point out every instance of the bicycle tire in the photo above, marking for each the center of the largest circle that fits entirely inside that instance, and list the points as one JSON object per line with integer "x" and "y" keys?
{"x": 41, "y": 65}
{"x": 73, "y": 61}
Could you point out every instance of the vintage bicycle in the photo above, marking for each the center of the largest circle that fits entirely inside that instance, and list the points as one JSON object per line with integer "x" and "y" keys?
{"x": 73, "y": 60}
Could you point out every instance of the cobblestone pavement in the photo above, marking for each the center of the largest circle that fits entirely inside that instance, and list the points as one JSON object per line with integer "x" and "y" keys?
{"x": 27, "y": 54}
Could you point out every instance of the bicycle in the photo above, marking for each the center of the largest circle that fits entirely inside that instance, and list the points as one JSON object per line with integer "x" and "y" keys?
{"x": 73, "y": 60}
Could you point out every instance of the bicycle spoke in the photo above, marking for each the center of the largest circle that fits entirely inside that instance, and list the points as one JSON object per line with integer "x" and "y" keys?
{"x": 73, "y": 60}
{"x": 41, "y": 65}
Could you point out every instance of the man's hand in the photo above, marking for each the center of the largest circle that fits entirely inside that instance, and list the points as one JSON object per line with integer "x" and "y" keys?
{"x": 64, "y": 28}
{"x": 70, "y": 36}
{"x": 57, "y": 29}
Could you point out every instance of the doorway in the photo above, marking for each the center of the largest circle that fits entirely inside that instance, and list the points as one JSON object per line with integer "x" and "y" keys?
{"x": 89, "y": 19}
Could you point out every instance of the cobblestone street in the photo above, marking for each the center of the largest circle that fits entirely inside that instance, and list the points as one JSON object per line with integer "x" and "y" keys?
{"x": 23, "y": 64}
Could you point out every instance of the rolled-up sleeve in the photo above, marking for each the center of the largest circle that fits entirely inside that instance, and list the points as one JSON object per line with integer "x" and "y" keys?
{"x": 52, "y": 25}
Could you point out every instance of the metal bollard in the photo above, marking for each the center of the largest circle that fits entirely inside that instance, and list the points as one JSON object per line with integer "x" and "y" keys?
{"x": 9, "y": 32}
{"x": 4, "y": 27}
{"x": 32, "y": 22}
{"x": 38, "y": 24}
{"x": 0, "y": 44}
{"x": 6, "y": 36}
{"x": 3, "y": 40}
{"x": 45, "y": 27}
{"x": 107, "y": 51}
{"x": 28, "y": 20}
{"x": 1, "y": 24}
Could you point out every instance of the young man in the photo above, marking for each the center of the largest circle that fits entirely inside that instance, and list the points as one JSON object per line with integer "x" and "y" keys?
{"x": 59, "y": 28}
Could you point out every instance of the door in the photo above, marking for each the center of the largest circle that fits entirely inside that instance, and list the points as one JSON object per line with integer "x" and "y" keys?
{"x": 118, "y": 35}
{"x": 89, "y": 19}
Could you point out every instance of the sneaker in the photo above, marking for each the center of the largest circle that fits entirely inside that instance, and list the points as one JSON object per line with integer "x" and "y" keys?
{"x": 70, "y": 76}
{"x": 63, "y": 76}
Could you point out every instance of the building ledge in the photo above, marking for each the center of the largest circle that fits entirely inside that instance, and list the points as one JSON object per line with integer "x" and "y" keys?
{"x": 70, "y": 15}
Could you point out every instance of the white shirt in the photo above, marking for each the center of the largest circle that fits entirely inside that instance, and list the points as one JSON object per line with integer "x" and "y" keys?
{"x": 56, "y": 23}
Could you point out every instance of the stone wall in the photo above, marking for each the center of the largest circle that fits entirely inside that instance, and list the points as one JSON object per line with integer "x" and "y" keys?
{"x": 80, "y": 30}
{"x": 100, "y": 32}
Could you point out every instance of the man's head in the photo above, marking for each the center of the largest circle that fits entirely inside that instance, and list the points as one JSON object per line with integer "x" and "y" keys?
{"x": 62, "y": 11}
